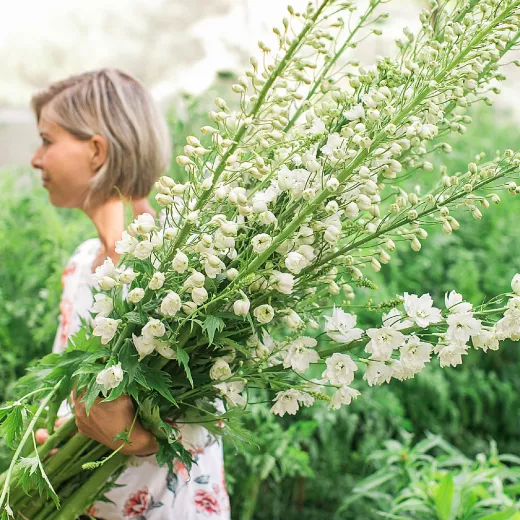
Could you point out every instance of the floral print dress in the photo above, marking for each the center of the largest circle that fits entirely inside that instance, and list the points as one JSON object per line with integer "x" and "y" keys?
{"x": 148, "y": 491}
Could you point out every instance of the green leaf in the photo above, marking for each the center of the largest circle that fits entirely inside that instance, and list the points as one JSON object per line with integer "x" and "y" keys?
{"x": 160, "y": 381}
{"x": 12, "y": 427}
{"x": 506, "y": 514}
{"x": 168, "y": 452}
{"x": 444, "y": 497}
{"x": 135, "y": 317}
{"x": 183, "y": 359}
{"x": 92, "y": 393}
{"x": 129, "y": 360}
{"x": 211, "y": 325}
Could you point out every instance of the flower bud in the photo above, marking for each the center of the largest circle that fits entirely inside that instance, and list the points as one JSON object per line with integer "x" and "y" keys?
{"x": 135, "y": 295}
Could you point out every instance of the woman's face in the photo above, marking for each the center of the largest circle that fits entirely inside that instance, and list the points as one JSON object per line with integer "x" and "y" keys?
{"x": 67, "y": 164}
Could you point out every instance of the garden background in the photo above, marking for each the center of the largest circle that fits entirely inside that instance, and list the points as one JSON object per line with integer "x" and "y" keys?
{"x": 435, "y": 438}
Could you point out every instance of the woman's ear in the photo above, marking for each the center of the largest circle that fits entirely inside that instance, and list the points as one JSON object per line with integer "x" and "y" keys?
{"x": 98, "y": 150}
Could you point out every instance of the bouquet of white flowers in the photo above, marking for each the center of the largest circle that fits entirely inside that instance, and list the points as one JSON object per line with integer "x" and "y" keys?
{"x": 290, "y": 200}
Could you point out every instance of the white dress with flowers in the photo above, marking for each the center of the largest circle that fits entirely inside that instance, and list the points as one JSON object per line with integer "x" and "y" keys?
{"x": 148, "y": 492}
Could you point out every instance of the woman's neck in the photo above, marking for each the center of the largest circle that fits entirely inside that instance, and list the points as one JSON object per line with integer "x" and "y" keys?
{"x": 110, "y": 224}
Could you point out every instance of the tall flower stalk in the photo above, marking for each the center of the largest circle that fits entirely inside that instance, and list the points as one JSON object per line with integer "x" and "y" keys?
{"x": 290, "y": 200}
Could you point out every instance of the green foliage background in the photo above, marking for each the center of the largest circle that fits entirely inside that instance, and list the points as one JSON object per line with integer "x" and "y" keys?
{"x": 305, "y": 467}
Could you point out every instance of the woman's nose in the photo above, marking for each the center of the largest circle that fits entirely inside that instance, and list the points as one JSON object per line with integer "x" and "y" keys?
{"x": 36, "y": 160}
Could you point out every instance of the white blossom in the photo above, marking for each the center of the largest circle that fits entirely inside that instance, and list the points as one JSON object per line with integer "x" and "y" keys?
{"x": 143, "y": 345}
{"x": 264, "y": 313}
{"x": 286, "y": 402}
{"x": 127, "y": 244}
{"x": 393, "y": 318}
{"x": 261, "y": 242}
{"x": 421, "y": 309}
{"x": 295, "y": 262}
{"x": 106, "y": 328}
{"x": 143, "y": 250}
{"x": 110, "y": 377}
{"x": 135, "y": 295}
{"x": 103, "y": 305}
{"x": 196, "y": 279}
{"x": 164, "y": 349}
{"x": 241, "y": 307}
{"x": 515, "y": 284}
{"x": 377, "y": 373}
{"x": 220, "y": 370}
{"x": 232, "y": 392}
{"x": 455, "y": 304}
{"x": 340, "y": 369}
{"x": 292, "y": 319}
{"x": 382, "y": 342}
{"x": 461, "y": 326}
{"x": 299, "y": 354}
{"x": 356, "y": 112}
{"x": 487, "y": 339}
{"x": 128, "y": 276}
{"x": 282, "y": 282}
{"x": 415, "y": 353}
{"x": 343, "y": 395}
{"x": 340, "y": 326}
{"x": 142, "y": 225}
{"x": 451, "y": 354}
{"x": 157, "y": 281}
{"x": 171, "y": 304}
{"x": 199, "y": 295}
{"x": 180, "y": 262}
{"x": 154, "y": 328}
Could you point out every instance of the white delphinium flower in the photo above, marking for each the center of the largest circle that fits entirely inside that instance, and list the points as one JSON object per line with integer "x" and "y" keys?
{"x": 455, "y": 304}
{"x": 110, "y": 377}
{"x": 299, "y": 354}
{"x": 393, "y": 318}
{"x": 282, "y": 282}
{"x": 515, "y": 284}
{"x": 487, "y": 339}
{"x": 103, "y": 305}
{"x": 128, "y": 276}
{"x": 220, "y": 370}
{"x": 241, "y": 307}
{"x": 171, "y": 304}
{"x": 292, "y": 319}
{"x": 232, "y": 392}
{"x": 213, "y": 265}
{"x": 356, "y": 112}
{"x": 415, "y": 353}
{"x": 317, "y": 126}
{"x": 196, "y": 279}
{"x": 180, "y": 262}
{"x": 382, "y": 342}
{"x": 377, "y": 373}
{"x": 261, "y": 242}
{"x": 288, "y": 402}
{"x": 157, "y": 238}
{"x": 343, "y": 395}
{"x": 154, "y": 329}
{"x": 157, "y": 281}
{"x": 144, "y": 345}
{"x": 106, "y": 328}
{"x": 127, "y": 244}
{"x": 142, "y": 225}
{"x": 340, "y": 369}
{"x": 199, "y": 295}
{"x": 340, "y": 326}
{"x": 451, "y": 354}
{"x": 264, "y": 313}
{"x": 421, "y": 309}
{"x": 334, "y": 142}
{"x": 286, "y": 178}
{"x": 461, "y": 326}
{"x": 143, "y": 250}
{"x": 106, "y": 275}
{"x": 295, "y": 262}
{"x": 164, "y": 349}
{"x": 135, "y": 295}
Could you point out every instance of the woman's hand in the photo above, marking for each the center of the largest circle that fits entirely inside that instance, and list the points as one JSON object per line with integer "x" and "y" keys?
{"x": 108, "y": 419}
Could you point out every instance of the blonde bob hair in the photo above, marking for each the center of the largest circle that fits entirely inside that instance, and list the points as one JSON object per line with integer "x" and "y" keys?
{"x": 116, "y": 106}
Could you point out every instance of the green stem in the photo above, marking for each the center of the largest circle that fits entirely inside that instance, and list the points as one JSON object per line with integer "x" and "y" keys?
{"x": 27, "y": 434}
{"x": 86, "y": 495}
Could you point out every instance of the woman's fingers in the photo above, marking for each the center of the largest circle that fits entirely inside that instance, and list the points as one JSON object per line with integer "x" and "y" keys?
{"x": 41, "y": 435}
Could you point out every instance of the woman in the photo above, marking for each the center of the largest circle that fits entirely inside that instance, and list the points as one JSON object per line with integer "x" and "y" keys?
{"x": 103, "y": 140}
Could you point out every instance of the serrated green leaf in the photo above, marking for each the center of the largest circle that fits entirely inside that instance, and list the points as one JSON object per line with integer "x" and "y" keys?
{"x": 129, "y": 360}
{"x": 135, "y": 317}
{"x": 160, "y": 381}
{"x": 12, "y": 426}
{"x": 211, "y": 325}
{"x": 183, "y": 359}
